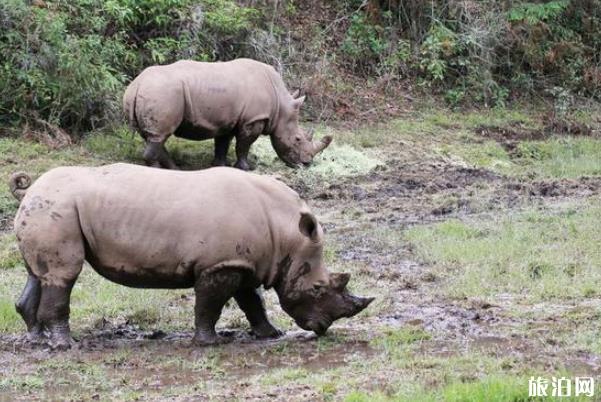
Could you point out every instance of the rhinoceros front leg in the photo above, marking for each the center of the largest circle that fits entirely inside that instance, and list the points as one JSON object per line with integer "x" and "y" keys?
{"x": 247, "y": 135}
{"x": 213, "y": 290}
{"x": 155, "y": 155}
{"x": 222, "y": 145}
{"x": 251, "y": 302}
{"x": 243, "y": 144}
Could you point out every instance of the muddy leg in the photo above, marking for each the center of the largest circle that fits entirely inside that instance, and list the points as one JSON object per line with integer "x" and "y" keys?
{"x": 222, "y": 144}
{"x": 27, "y": 307}
{"x": 155, "y": 155}
{"x": 213, "y": 290}
{"x": 251, "y": 302}
{"x": 53, "y": 313}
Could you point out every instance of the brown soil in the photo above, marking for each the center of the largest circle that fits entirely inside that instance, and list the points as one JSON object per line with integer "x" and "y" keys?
{"x": 510, "y": 137}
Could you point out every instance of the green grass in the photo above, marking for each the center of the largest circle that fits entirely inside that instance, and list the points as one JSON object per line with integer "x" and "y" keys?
{"x": 495, "y": 117}
{"x": 9, "y": 318}
{"x": 532, "y": 254}
{"x": 492, "y": 388}
{"x": 22, "y": 383}
{"x": 393, "y": 339}
{"x": 565, "y": 157}
{"x": 558, "y": 157}
{"x": 10, "y": 256}
{"x": 34, "y": 159}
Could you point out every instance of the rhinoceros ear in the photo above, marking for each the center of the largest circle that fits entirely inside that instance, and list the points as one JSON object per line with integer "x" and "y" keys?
{"x": 308, "y": 226}
{"x": 298, "y": 102}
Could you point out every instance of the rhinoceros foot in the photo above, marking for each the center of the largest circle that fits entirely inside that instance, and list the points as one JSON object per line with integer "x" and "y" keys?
{"x": 266, "y": 331}
{"x": 202, "y": 338}
{"x": 61, "y": 342}
{"x": 242, "y": 164}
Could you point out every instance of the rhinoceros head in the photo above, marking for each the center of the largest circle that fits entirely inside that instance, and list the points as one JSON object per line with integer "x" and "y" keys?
{"x": 292, "y": 144}
{"x": 311, "y": 295}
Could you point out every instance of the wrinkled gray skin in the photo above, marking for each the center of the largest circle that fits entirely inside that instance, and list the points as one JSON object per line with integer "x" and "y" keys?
{"x": 222, "y": 231}
{"x": 241, "y": 98}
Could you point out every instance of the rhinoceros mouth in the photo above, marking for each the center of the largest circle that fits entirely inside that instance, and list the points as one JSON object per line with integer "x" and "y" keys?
{"x": 318, "y": 326}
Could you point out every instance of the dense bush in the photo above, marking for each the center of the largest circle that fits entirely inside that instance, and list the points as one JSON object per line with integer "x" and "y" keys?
{"x": 65, "y": 63}
{"x": 483, "y": 50}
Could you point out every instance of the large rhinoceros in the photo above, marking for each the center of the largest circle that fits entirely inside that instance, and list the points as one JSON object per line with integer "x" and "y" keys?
{"x": 242, "y": 98}
{"x": 222, "y": 231}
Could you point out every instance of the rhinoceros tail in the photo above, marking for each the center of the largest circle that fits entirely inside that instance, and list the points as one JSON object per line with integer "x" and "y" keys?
{"x": 19, "y": 183}
{"x": 129, "y": 105}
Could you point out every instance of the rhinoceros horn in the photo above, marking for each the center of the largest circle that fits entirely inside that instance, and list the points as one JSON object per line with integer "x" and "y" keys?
{"x": 319, "y": 146}
{"x": 357, "y": 304}
{"x": 352, "y": 304}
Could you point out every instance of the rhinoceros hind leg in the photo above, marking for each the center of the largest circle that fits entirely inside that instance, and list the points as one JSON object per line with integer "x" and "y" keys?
{"x": 222, "y": 145}
{"x": 251, "y": 302}
{"x": 213, "y": 290}
{"x": 53, "y": 313}
{"x": 155, "y": 155}
{"x": 27, "y": 307}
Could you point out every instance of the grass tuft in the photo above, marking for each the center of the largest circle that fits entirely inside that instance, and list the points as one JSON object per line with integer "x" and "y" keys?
{"x": 534, "y": 254}
{"x": 10, "y": 256}
{"x": 9, "y": 318}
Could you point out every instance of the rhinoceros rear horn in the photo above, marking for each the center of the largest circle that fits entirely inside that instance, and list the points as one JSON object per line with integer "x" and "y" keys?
{"x": 339, "y": 281}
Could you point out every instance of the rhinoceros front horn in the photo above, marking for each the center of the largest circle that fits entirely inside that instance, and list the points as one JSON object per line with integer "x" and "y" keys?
{"x": 319, "y": 146}
{"x": 359, "y": 304}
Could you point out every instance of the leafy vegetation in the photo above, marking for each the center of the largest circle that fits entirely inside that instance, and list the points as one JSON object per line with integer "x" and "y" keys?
{"x": 484, "y": 51}
{"x": 66, "y": 62}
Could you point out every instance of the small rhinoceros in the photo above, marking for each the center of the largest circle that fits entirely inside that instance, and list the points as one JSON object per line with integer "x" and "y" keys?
{"x": 222, "y": 231}
{"x": 241, "y": 98}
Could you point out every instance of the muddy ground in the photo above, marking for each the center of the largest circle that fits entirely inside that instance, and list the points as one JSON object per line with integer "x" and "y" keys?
{"x": 364, "y": 218}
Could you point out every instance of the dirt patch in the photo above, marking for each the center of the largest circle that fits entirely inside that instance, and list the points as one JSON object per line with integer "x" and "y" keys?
{"x": 446, "y": 320}
{"x": 509, "y": 137}
{"x": 582, "y": 187}
{"x": 127, "y": 336}
{"x": 125, "y": 353}
{"x": 405, "y": 193}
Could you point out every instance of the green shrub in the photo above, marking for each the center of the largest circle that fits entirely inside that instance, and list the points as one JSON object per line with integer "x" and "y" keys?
{"x": 66, "y": 63}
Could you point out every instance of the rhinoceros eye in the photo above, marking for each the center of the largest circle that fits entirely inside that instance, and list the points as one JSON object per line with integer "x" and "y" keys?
{"x": 297, "y": 138}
